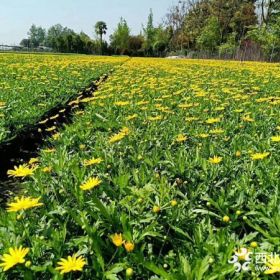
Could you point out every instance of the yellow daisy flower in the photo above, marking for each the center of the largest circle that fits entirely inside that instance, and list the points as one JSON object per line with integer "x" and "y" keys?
{"x": 92, "y": 161}
{"x": 181, "y": 138}
{"x": 259, "y": 156}
{"x": 117, "y": 239}
{"x": 275, "y": 138}
{"x": 23, "y": 203}
{"x": 215, "y": 160}
{"x": 72, "y": 263}
{"x": 273, "y": 264}
{"x": 21, "y": 171}
{"x": 213, "y": 120}
{"x": 15, "y": 256}
{"x": 90, "y": 184}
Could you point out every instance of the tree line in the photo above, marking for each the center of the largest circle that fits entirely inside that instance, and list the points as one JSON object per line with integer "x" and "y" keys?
{"x": 190, "y": 27}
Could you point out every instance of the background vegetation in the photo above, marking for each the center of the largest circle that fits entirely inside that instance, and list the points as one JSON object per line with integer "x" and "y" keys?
{"x": 242, "y": 29}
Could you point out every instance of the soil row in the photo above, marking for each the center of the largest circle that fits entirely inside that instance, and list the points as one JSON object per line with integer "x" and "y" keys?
{"x": 29, "y": 140}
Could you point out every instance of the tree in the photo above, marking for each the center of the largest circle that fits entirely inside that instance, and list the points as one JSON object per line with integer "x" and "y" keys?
{"x": 25, "y": 43}
{"x": 135, "y": 44}
{"x": 63, "y": 39}
{"x": 162, "y": 37}
{"x": 149, "y": 32}
{"x": 53, "y": 33}
{"x": 268, "y": 37}
{"x": 120, "y": 38}
{"x": 175, "y": 21}
{"x": 194, "y": 22}
{"x": 243, "y": 17}
{"x": 269, "y": 10}
{"x": 36, "y": 35}
{"x": 210, "y": 38}
{"x": 100, "y": 30}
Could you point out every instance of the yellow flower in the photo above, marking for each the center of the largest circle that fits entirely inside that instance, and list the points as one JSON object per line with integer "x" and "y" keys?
{"x": 56, "y": 136}
{"x": 92, "y": 161}
{"x": 259, "y": 156}
{"x": 33, "y": 160}
{"x": 49, "y": 151}
{"x": 213, "y": 120}
{"x": 254, "y": 244}
{"x": 226, "y": 219}
{"x": 238, "y": 154}
{"x": 23, "y": 203}
{"x": 28, "y": 264}
{"x": 157, "y": 118}
{"x": 203, "y": 135}
{"x": 275, "y": 138}
{"x": 47, "y": 169}
{"x": 116, "y": 138}
{"x": 129, "y": 246}
{"x": 215, "y": 160}
{"x": 156, "y": 209}
{"x": 90, "y": 184}
{"x": 21, "y": 171}
{"x": 243, "y": 254}
{"x": 273, "y": 264}
{"x": 238, "y": 110}
{"x": 191, "y": 119}
{"x": 173, "y": 202}
{"x": 181, "y": 138}
{"x": 51, "y": 128}
{"x": 54, "y": 117}
{"x": 44, "y": 121}
{"x": 124, "y": 130}
{"x": 247, "y": 119}
{"x": 72, "y": 263}
{"x": 117, "y": 239}
{"x": 82, "y": 146}
{"x": 121, "y": 103}
{"x": 15, "y": 256}
{"x": 217, "y": 131}
{"x": 119, "y": 136}
{"x": 131, "y": 117}
{"x": 129, "y": 272}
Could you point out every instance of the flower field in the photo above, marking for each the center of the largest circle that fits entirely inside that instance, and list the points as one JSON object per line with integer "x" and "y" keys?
{"x": 30, "y": 85}
{"x": 170, "y": 171}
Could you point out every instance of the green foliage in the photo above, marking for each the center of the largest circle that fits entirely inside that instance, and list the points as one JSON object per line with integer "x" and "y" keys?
{"x": 39, "y": 84}
{"x": 187, "y": 237}
{"x": 268, "y": 37}
{"x": 209, "y": 38}
{"x": 100, "y": 30}
{"x": 37, "y": 36}
{"x": 120, "y": 38}
{"x": 135, "y": 45}
{"x": 229, "y": 48}
{"x": 207, "y": 27}
{"x": 149, "y": 34}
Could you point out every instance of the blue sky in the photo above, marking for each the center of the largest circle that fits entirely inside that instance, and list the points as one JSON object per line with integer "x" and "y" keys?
{"x": 16, "y": 16}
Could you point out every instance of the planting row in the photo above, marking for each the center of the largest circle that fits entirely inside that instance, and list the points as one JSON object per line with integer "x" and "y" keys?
{"x": 30, "y": 85}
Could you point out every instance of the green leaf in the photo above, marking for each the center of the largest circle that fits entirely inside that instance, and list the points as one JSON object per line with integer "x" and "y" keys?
{"x": 157, "y": 270}
{"x": 180, "y": 231}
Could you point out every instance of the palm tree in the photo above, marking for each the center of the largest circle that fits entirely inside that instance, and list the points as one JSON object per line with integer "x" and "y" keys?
{"x": 100, "y": 29}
